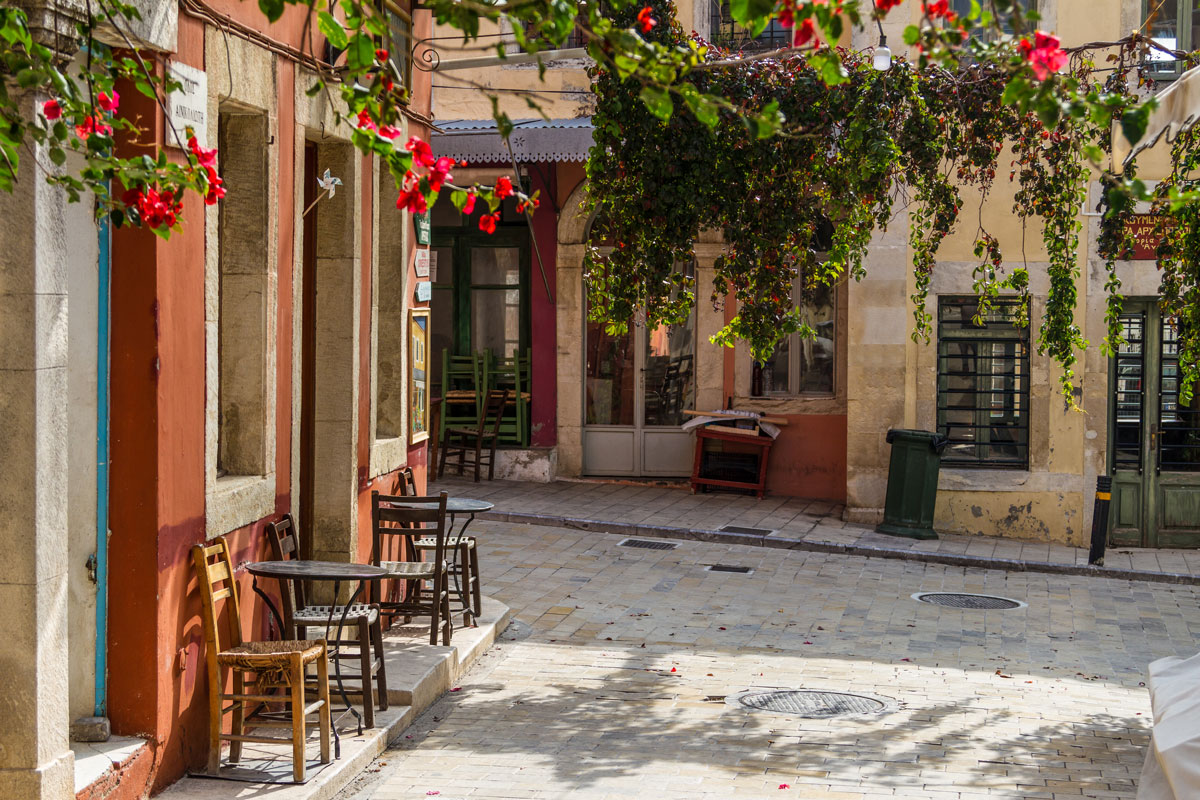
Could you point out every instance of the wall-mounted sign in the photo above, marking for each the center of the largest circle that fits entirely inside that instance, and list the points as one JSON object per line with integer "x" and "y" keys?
{"x": 424, "y": 292}
{"x": 188, "y": 105}
{"x": 418, "y": 374}
{"x": 433, "y": 265}
{"x": 424, "y": 228}
{"x": 1147, "y": 233}
{"x": 422, "y": 263}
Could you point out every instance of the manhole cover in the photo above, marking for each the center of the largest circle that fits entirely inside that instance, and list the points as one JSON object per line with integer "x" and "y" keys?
{"x": 730, "y": 568}
{"x": 976, "y": 601}
{"x": 751, "y": 531}
{"x": 811, "y": 703}
{"x": 647, "y": 545}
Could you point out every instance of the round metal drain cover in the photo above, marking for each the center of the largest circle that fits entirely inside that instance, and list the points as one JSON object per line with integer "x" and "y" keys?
{"x": 811, "y": 703}
{"x": 984, "y": 602}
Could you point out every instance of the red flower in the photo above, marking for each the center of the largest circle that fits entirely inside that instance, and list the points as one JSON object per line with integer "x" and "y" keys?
{"x": 381, "y": 54}
{"x": 645, "y": 21}
{"x": 91, "y": 125}
{"x": 940, "y": 8}
{"x": 389, "y": 131}
{"x": 51, "y": 109}
{"x": 422, "y": 152}
{"x": 439, "y": 173}
{"x": 1046, "y": 56}
{"x": 469, "y": 206}
{"x": 887, "y": 5}
{"x": 109, "y": 103}
{"x": 804, "y": 33}
{"x": 503, "y": 187}
{"x": 365, "y": 122}
{"x": 387, "y": 84}
{"x": 412, "y": 200}
{"x": 784, "y": 786}
{"x": 206, "y": 156}
{"x": 487, "y": 223}
{"x": 215, "y": 190}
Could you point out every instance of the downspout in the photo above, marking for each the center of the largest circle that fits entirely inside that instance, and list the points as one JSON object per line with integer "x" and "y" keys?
{"x": 102, "y": 336}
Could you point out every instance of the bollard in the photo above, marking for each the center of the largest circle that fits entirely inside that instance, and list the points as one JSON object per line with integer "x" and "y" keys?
{"x": 1100, "y": 520}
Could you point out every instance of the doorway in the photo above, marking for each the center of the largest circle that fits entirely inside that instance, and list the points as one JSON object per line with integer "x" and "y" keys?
{"x": 637, "y": 384}
{"x": 1154, "y": 447}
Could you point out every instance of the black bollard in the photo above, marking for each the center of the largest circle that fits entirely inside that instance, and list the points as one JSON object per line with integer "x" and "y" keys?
{"x": 1100, "y": 520}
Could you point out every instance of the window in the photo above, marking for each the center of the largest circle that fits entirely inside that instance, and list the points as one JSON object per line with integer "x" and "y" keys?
{"x": 400, "y": 42}
{"x": 800, "y": 365}
{"x": 1176, "y": 26}
{"x": 983, "y": 383}
{"x": 243, "y": 291}
{"x": 724, "y": 32}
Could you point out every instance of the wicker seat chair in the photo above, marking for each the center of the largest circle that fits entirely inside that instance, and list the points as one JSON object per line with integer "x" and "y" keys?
{"x": 299, "y": 616}
{"x": 274, "y": 664}
{"x": 465, "y": 566}
{"x": 477, "y": 446}
{"x": 388, "y": 519}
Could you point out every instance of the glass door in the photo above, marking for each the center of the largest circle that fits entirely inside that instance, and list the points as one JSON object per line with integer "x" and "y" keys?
{"x": 1155, "y": 440}
{"x": 636, "y": 386}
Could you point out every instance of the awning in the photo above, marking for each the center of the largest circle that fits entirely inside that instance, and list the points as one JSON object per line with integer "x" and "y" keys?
{"x": 477, "y": 141}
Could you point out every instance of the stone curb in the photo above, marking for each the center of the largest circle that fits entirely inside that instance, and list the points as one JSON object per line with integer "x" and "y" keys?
{"x": 867, "y": 551}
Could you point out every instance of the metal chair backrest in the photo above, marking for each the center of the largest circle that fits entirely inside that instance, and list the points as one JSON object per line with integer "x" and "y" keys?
{"x": 284, "y": 539}
{"x": 214, "y": 566}
{"x": 493, "y": 409}
{"x": 422, "y": 516}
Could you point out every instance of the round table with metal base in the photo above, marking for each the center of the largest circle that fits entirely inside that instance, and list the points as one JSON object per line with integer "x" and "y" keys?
{"x": 334, "y": 572}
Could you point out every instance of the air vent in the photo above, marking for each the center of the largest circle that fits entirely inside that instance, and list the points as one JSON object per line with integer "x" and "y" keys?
{"x": 747, "y": 531}
{"x": 730, "y": 568}
{"x": 646, "y": 544}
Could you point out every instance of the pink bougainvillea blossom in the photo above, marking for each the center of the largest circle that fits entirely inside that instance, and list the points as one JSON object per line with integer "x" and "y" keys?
{"x": 1044, "y": 54}
{"x": 51, "y": 109}
{"x": 645, "y": 21}
{"x": 422, "y": 152}
{"x": 109, "y": 103}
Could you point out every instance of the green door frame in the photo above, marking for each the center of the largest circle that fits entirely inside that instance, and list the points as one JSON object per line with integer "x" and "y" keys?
{"x": 462, "y": 242}
{"x": 1150, "y": 507}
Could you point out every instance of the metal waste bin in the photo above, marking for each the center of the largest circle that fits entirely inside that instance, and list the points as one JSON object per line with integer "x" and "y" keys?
{"x": 912, "y": 483}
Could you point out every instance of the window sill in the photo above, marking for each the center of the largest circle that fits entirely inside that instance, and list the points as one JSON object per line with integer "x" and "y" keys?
{"x": 974, "y": 479}
{"x": 388, "y": 455}
{"x": 236, "y": 501}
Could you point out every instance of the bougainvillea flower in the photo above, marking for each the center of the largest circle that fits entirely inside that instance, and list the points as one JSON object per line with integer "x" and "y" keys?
{"x": 206, "y": 156}
{"x": 503, "y": 187}
{"x": 109, "y": 103}
{"x": 487, "y": 223}
{"x": 365, "y": 122}
{"x": 887, "y": 5}
{"x": 51, "y": 109}
{"x": 804, "y": 33}
{"x": 1044, "y": 55}
{"x": 215, "y": 190}
{"x": 422, "y": 152}
{"x": 940, "y": 8}
{"x": 645, "y": 21}
{"x": 92, "y": 125}
{"x": 784, "y": 786}
{"x": 389, "y": 131}
{"x": 439, "y": 173}
{"x": 469, "y": 206}
{"x": 381, "y": 54}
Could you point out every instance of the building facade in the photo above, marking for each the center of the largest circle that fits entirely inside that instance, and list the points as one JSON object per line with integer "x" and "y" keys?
{"x": 161, "y": 393}
{"x": 1020, "y": 463}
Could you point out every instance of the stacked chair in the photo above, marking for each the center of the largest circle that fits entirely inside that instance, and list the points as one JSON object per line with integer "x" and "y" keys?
{"x": 462, "y": 390}
{"x": 511, "y": 373}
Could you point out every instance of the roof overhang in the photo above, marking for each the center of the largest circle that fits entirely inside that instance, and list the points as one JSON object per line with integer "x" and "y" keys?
{"x": 532, "y": 140}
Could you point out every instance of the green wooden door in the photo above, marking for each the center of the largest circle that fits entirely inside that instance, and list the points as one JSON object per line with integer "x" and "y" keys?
{"x": 1154, "y": 443}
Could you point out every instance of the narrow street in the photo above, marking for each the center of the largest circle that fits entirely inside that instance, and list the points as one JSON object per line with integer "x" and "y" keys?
{"x": 612, "y": 680}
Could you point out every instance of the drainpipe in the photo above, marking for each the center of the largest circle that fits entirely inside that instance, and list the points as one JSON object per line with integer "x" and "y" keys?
{"x": 102, "y": 335}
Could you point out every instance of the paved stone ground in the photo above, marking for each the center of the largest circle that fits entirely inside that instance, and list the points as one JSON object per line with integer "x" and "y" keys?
{"x": 607, "y": 685}
{"x": 791, "y": 518}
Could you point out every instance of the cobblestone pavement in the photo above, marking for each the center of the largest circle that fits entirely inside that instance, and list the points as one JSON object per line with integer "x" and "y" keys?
{"x": 789, "y": 519}
{"x": 610, "y": 682}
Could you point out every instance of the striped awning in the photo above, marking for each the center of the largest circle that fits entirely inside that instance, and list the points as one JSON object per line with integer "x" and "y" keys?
{"x": 477, "y": 141}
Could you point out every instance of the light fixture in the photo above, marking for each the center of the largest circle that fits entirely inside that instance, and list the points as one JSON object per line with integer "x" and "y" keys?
{"x": 882, "y": 60}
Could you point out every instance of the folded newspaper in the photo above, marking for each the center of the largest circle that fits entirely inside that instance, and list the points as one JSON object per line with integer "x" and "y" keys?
{"x": 731, "y": 415}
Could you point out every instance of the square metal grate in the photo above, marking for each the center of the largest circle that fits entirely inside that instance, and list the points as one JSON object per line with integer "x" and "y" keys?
{"x": 729, "y": 568}
{"x": 646, "y": 544}
{"x": 750, "y": 531}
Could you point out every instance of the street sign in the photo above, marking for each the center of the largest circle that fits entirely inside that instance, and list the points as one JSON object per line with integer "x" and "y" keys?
{"x": 187, "y": 107}
{"x": 424, "y": 228}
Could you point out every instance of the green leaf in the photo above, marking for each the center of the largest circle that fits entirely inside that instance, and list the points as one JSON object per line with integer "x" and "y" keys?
{"x": 1134, "y": 122}
{"x": 58, "y": 156}
{"x": 912, "y": 35}
{"x": 332, "y": 30}
{"x": 705, "y": 109}
{"x": 658, "y": 101}
{"x": 459, "y": 198}
{"x": 830, "y": 67}
{"x": 769, "y": 120}
{"x": 748, "y": 13}
{"x": 273, "y": 9}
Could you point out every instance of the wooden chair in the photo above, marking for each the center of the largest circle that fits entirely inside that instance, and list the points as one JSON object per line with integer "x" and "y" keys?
{"x": 390, "y": 520}
{"x": 514, "y": 374}
{"x": 469, "y": 444}
{"x": 275, "y": 665}
{"x": 465, "y": 567}
{"x": 299, "y": 616}
{"x": 462, "y": 390}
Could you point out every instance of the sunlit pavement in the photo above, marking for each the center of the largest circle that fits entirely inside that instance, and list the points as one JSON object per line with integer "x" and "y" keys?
{"x": 610, "y": 684}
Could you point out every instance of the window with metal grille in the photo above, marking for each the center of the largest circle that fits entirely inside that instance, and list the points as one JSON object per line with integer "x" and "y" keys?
{"x": 983, "y": 383}
{"x": 724, "y": 32}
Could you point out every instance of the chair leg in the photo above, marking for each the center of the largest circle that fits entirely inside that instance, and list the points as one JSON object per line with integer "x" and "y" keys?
{"x": 442, "y": 456}
{"x": 364, "y": 660}
{"x": 239, "y": 716}
{"x": 448, "y": 622}
{"x": 297, "y": 678}
{"x": 325, "y": 715}
{"x": 491, "y": 462}
{"x": 477, "y": 582}
{"x": 478, "y": 451}
{"x": 381, "y": 675}
{"x": 214, "y": 720}
{"x": 435, "y": 611}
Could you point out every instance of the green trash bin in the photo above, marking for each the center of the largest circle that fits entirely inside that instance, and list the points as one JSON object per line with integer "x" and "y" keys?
{"x": 912, "y": 483}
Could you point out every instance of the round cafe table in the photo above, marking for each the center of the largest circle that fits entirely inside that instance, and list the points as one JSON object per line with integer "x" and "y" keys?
{"x": 455, "y": 506}
{"x": 335, "y": 572}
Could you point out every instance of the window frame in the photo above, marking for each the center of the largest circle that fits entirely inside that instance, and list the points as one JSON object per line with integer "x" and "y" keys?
{"x": 1170, "y": 70}
{"x": 1016, "y": 384}
{"x": 794, "y": 360}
